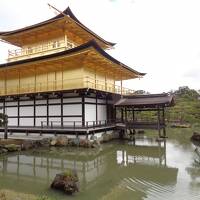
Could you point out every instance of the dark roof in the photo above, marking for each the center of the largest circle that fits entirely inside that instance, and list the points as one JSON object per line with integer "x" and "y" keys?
{"x": 68, "y": 12}
{"x": 152, "y": 100}
{"x": 91, "y": 44}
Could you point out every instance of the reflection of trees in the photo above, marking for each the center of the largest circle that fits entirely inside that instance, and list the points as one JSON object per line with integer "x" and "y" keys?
{"x": 181, "y": 137}
{"x": 194, "y": 170}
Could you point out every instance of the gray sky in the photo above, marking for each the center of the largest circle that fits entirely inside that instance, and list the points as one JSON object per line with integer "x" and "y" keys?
{"x": 159, "y": 37}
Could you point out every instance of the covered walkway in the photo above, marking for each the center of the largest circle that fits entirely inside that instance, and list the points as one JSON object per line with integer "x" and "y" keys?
{"x": 129, "y": 107}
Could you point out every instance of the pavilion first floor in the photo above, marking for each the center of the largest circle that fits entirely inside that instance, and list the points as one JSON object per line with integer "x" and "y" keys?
{"x": 72, "y": 108}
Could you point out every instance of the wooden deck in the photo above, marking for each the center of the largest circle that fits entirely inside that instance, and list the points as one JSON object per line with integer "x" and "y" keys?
{"x": 140, "y": 125}
{"x": 59, "y": 130}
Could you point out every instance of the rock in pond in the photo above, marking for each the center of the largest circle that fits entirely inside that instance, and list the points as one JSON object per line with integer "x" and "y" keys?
{"x": 66, "y": 182}
{"x": 12, "y": 147}
{"x": 61, "y": 141}
{"x": 196, "y": 136}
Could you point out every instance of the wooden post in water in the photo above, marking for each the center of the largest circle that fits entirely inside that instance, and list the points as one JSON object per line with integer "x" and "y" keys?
{"x": 163, "y": 118}
{"x": 125, "y": 114}
{"x": 158, "y": 122}
{"x": 122, "y": 115}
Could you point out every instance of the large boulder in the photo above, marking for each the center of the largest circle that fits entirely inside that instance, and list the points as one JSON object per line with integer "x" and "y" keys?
{"x": 61, "y": 141}
{"x": 66, "y": 182}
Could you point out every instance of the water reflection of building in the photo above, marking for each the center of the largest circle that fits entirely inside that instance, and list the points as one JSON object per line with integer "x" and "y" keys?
{"x": 145, "y": 151}
{"x": 42, "y": 169}
{"x": 33, "y": 173}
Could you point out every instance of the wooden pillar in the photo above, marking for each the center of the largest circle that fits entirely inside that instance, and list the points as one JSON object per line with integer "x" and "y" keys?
{"x": 34, "y": 111}
{"x": 159, "y": 121}
{"x": 133, "y": 114}
{"x": 107, "y": 110}
{"x": 83, "y": 110}
{"x": 114, "y": 116}
{"x": 122, "y": 115}
{"x": 163, "y": 118}
{"x": 96, "y": 104}
{"x": 125, "y": 114}
{"x": 47, "y": 110}
{"x": 163, "y": 115}
{"x": 61, "y": 106}
{"x": 18, "y": 112}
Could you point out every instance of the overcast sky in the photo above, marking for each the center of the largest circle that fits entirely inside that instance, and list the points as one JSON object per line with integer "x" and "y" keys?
{"x": 159, "y": 37}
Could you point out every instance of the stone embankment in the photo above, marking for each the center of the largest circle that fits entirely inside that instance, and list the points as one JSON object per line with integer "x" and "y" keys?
{"x": 11, "y": 145}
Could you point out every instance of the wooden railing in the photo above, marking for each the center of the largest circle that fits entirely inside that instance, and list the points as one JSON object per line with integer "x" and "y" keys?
{"x": 66, "y": 84}
{"x": 43, "y": 49}
{"x": 77, "y": 124}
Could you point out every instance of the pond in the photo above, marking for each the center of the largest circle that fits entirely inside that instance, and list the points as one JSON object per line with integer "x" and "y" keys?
{"x": 118, "y": 170}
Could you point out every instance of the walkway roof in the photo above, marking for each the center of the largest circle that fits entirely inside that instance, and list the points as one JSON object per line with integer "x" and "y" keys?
{"x": 146, "y": 101}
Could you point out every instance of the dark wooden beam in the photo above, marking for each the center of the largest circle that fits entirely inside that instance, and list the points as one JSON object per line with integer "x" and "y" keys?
{"x": 18, "y": 112}
{"x": 96, "y": 105}
{"x": 34, "y": 112}
{"x": 159, "y": 121}
{"x": 47, "y": 110}
{"x": 61, "y": 112}
{"x": 83, "y": 110}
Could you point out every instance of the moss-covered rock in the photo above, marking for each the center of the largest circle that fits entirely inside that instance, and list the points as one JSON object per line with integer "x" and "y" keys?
{"x": 12, "y": 147}
{"x": 66, "y": 182}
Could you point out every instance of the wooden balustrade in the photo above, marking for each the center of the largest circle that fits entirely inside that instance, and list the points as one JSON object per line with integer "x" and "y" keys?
{"x": 66, "y": 84}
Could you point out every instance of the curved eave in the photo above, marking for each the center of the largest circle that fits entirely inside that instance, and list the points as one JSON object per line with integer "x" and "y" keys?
{"x": 91, "y": 44}
{"x": 67, "y": 12}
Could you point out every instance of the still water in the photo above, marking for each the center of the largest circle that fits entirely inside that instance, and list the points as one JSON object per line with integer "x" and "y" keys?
{"x": 147, "y": 170}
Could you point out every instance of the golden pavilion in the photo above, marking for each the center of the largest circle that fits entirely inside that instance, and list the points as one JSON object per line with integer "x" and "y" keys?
{"x": 60, "y": 75}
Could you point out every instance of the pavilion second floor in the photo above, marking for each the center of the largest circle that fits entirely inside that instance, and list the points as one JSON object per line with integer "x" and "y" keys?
{"x": 85, "y": 66}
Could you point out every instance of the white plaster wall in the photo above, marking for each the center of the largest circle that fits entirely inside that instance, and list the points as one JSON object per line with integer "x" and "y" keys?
{"x": 26, "y": 121}
{"x": 72, "y": 100}
{"x": 11, "y": 103}
{"x": 101, "y": 101}
{"x": 12, "y": 121}
{"x": 90, "y": 113}
{"x": 55, "y": 120}
{"x": 41, "y": 101}
{"x": 72, "y": 109}
{"x": 26, "y": 111}
{"x": 54, "y": 101}
{"x": 12, "y": 111}
{"x": 102, "y": 114}
{"x": 38, "y": 121}
{"x": 54, "y": 110}
{"x": 26, "y": 102}
{"x": 41, "y": 110}
{"x": 69, "y": 121}
{"x": 90, "y": 100}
